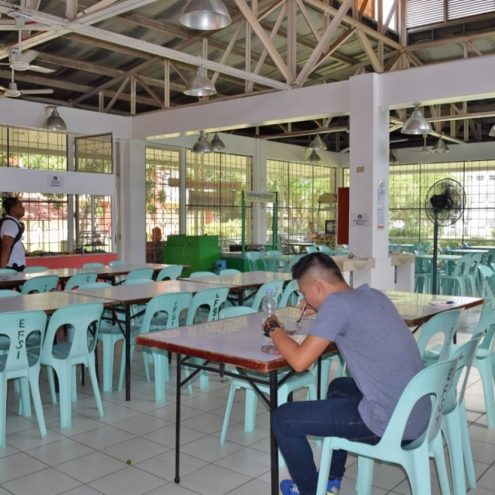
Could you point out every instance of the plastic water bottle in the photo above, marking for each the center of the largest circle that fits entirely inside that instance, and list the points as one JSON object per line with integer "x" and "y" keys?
{"x": 268, "y": 303}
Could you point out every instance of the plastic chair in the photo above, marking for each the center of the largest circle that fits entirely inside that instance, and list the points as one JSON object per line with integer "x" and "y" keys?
{"x": 290, "y": 295}
{"x": 254, "y": 260}
{"x": 202, "y": 274}
{"x": 472, "y": 274}
{"x": 275, "y": 285}
{"x": 455, "y": 283}
{"x": 325, "y": 249}
{"x": 442, "y": 325}
{"x": 82, "y": 321}
{"x": 9, "y": 293}
{"x": 116, "y": 263}
{"x": 7, "y": 271}
{"x": 292, "y": 262}
{"x": 140, "y": 274}
{"x": 20, "y": 361}
{"x": 423, "y": 271}
{"x": 169, "y": 273}
{"x": 35, "y": 269}
{"x": 310, "y": 249}
{"x": 271, "y": 260}
{"x": 93, "y": 266}
{"x": 233, "y": 311}
{"x": 230, "y": 271}
{"x": 79, "y": 279}
{"x": 166, "y": 308}
{"x": 433, "y": 381}
{"x": 45, "y": 283}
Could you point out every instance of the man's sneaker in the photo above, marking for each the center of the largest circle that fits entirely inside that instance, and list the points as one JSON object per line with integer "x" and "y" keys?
{"x": 333, "y": 487}
{"x": 288, "y": 487}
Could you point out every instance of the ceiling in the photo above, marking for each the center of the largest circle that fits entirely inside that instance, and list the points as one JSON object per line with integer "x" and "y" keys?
{"x": 133, "y": 56}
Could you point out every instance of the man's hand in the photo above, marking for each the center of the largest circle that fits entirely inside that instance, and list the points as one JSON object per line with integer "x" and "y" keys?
{"x": 271, "y": 323}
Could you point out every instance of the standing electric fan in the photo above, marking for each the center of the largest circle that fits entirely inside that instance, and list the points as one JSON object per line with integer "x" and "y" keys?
{"x": 444, "y": 205}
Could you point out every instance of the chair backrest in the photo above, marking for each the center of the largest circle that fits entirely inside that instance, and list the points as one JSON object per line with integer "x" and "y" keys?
{"x": 462, "y": 265}
{"x": 211, "y": 297}
{"x": 434, "y": 381}
{"x": 116, "y": 263}
{"x": 201, "y": 274}
{"x": 442, "y": 325}
{"x": 292, "y": 262}
{"x": 486, "y": 326}
{"x": 9, "y": 293}
{"x": 82, "y": 322}
{"x": 170, "y": 305}
{"x": 138, "y": 281}
{"x": 230, "y": 271}
{"x": 94, "y": 285}
{"x": 232, "y": 311}
{"x": 325, "y": 249}
{"x": 140, "y": 273}
{"x": 18, "y": 329}
{"x": 172, "y": 272}
{"x": 290, "y": 295}
{"x": 254, "y": 260}
{"x": 93, "y": 266}
{"x": 7, "y": 271}
{"x": 35, "y": 269}
{"x": 80, "y": 278}
{"x": 311, "y": 249}
{"x": 271, "y": 260}
{"x": 275, "y": 285}
{"x": 464, "y": 355}
{"x": 44, "y": 283}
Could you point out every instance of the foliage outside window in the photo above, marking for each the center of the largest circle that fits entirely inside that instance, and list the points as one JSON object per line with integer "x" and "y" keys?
{"x": 162, "y": 191}
{"x": 94, "y": 154}
{"x": 409, "y": 185}
{"x": 32, "y": 149}
{"x": 299, "y": 186}
{"x": 214, "y": 182}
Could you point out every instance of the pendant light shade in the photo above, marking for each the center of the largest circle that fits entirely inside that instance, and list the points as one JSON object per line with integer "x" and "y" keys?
{"x": 205, "y": 15}
{"x": 201, "y": 145}
{"x": 200, "y": 85}
{"x": 317, "y": 144}
{"x": 54, "y": 122}
{"x": 440, "y": 147}
{"x": 492, "y": 131}
{"x": 216, "y": 143}
{"x": 416, "y": 123}
{"x": 314, "y": 157}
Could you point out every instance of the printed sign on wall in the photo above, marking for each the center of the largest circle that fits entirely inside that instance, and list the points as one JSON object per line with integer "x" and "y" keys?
{"x": 55, "y": 181}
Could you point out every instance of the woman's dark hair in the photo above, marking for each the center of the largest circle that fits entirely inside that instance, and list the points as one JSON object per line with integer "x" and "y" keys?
{"x": 318, "y": 260}
{"x": 9, "y": 202}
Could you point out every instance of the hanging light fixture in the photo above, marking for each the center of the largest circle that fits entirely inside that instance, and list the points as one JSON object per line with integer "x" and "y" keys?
{"x": 205, "y": 15}
{"x": 424, "y": 149}
{"x": 317, "y": 144}
{"x": 54, "y": 122}
{"x": 200, "y": 85}
{"x": 492, "y": 131}
{"x": 440, "y": 147}
{"x": 216, "y": 143}
{"x": 201, "y": 145}
{"x": 314, "y": 157}
{"x": 416, "y": 123}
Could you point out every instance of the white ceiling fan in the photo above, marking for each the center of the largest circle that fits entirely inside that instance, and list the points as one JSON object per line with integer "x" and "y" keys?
{"x": 14, "y": 92}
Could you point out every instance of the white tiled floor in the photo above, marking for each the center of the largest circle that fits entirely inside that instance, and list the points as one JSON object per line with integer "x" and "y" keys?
{"x": 131, "y": 450}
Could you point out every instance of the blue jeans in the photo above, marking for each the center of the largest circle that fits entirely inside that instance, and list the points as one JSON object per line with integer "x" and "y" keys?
{"x": 337, "y": 416}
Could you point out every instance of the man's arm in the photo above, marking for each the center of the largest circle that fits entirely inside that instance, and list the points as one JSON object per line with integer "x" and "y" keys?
{"x": 7, "y": 242}
{"x": 299, "y": 356}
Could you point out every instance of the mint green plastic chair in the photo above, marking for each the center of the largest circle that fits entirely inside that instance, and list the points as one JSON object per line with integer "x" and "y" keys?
{"x": 325, "y": 249}
{"x": 290, "y": 295}
{"x": 20, "y": 361}
{"x": 93, "y": 266}
{"x": 82, "y": 321}
{"x": 271, "y": 260}
{"x": 254, "y": 260}
{"x": 9, "y": 293}
{"x": 442, "y": 325}
{"x": 310, "y": 249}
{"x": 116, "y": 263}
{"x": 7, "y": 271}
{"x": 43, "y": 283}
{"x": 162, "y": 313}
{"x": 230, "y": 271}
{"x": 233, "y": 311}
{"x": 455, "y": 283}
{"x": 292, "y": 262}
{"x": 422, "y": 275}
{"x": 202, "y": 274}
{"x": 140, "y": 274}
{"x": 205, "y": 306}
{"x": 79, "y": 279}
{"x": 169, "y": 273}
{"x": 433, "y": 381}
{"x": 277, "y": 288}
{"x": 35, "y": 269}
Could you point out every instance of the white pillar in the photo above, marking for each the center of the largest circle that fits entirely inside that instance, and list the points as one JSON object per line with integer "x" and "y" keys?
{"x": 368, "y": 229}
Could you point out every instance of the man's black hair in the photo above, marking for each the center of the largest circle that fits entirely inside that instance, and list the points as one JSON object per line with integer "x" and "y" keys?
{"x": 317, "y": 259}
{"x": 9, "y": 202}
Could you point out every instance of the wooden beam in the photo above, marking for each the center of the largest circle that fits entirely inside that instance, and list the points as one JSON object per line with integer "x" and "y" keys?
{"x": 166, "y": 84}
{"x": 365, "y": 42}
{"x": 117, "y": 94}
{"x": 227, "y": 51}
{"x": 71, "y": 7}
{"x": 149, "y": 90}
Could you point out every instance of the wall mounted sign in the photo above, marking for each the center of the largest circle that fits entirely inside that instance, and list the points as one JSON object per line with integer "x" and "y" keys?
{"x": 55, "y": 181}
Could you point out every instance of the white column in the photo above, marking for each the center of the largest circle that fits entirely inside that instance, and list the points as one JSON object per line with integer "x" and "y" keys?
{"x": 368, "y": 230}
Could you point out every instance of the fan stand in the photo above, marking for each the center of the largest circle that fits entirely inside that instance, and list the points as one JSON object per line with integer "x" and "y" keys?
{"x": 435, "y": 255}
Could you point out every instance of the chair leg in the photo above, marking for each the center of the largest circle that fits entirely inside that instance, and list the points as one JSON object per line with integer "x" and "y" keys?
{"x": 161, "y": 374}
{"x": 34, "y": 382}
{"x": 439, "y": 457}
{"x": 3, "y": 407}
{"x": 484, "y": 366}
{"x": 25, "y": 402}
{"x": 326, "y": 457}
{"x": 94, "y": 384}
{"x": 122, "y": 367}
{"x": 466, "y": 449}
{"x": 364, "y": 482}
{"x": 65, "y": 377}
{"x": 228, "y": 411}
{"x": 51, "y": 383}
{"x": 146, "y": 366}
{"x": 452, "y": 425}
{"x": 74, "y": 384}
{"x": 108, "y": 357}
{"x": 250, "y": 409}
{"x": 419, "y": 474}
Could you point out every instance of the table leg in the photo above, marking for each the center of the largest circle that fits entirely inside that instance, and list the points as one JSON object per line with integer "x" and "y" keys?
{"x": 177, "y": 421}
{"x": 127, "y": 352}
{"x": 273, "y": 441}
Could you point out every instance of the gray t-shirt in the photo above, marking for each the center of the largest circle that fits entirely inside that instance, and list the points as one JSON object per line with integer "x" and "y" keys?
{"x": 380, "y": 352}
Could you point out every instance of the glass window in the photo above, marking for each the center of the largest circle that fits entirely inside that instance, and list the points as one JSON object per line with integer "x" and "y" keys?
{"x": 94, "y": 154}
{"x": 32, "y": 149}
{"x": 214, "y": 182}
{"x": 94, "y": 223}
{"x": 162, "y": 191}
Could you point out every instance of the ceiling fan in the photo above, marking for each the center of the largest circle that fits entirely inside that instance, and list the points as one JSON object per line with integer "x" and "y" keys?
{"x": 14, "y": 92}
